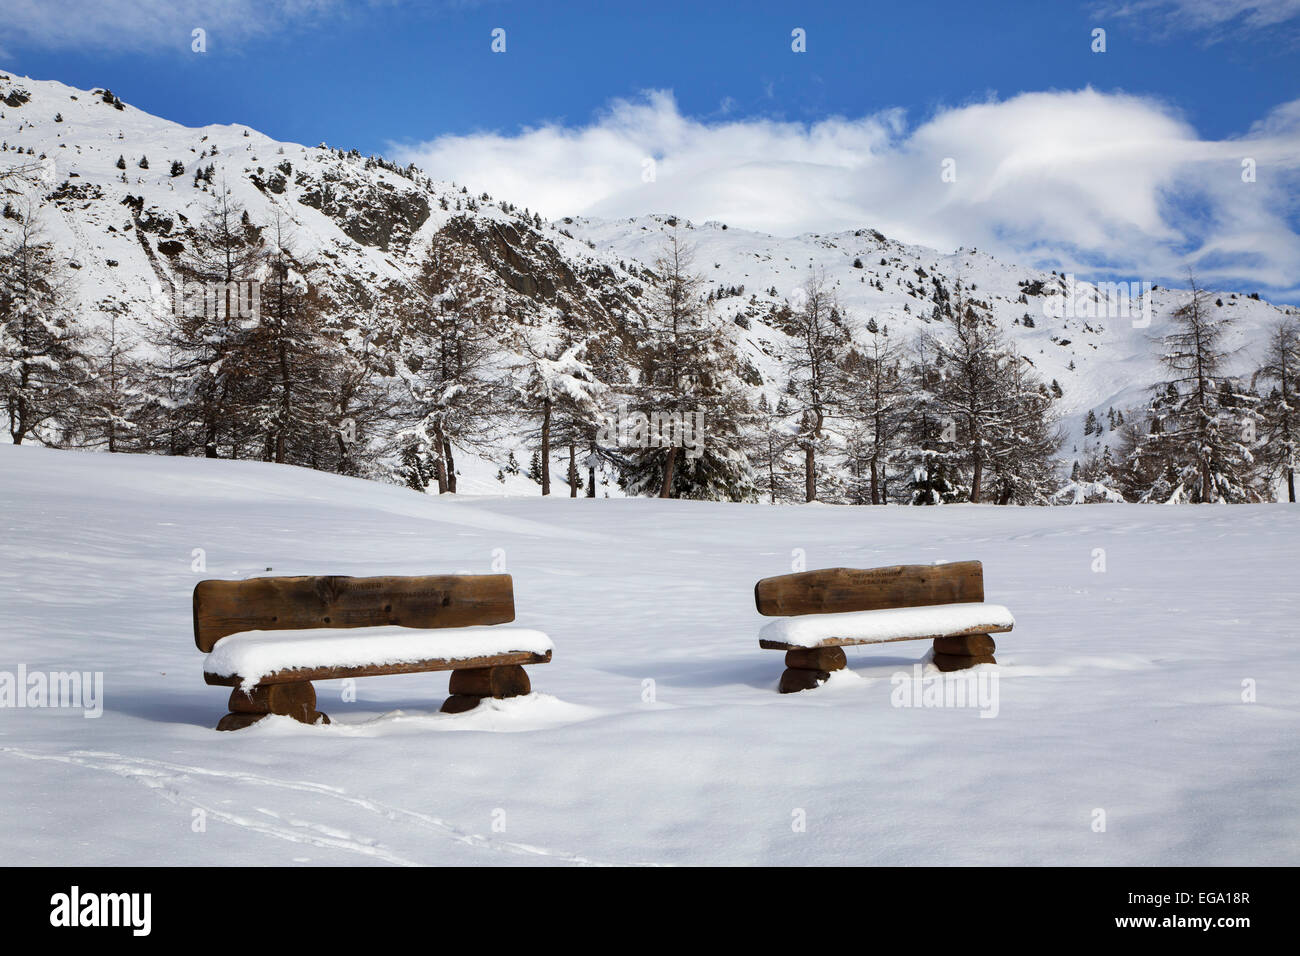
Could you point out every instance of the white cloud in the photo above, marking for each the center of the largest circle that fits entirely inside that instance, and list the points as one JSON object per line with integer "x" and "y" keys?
{"x": 1207, "y": 15}
{"x": 1082, "y": 179}
{"x": 148, "y": 25}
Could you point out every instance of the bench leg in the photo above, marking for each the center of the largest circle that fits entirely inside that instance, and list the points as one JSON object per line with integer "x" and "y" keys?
{"x": 287, "y": 700}
{"x": 806, "y": 668}
{"x": 959, "y": 653}
{"x": 468, "y": 687}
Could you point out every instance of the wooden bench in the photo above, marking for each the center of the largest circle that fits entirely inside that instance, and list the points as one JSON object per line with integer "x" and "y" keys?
{"x": 269, "y": 638}
{"x": 827, "y": 610}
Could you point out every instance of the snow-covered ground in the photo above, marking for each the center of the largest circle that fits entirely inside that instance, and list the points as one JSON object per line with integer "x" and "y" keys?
{"x": 1119, "y": 691}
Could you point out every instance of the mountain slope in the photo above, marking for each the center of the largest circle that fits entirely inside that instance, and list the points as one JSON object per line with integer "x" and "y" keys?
{"x": 361, "y": 228}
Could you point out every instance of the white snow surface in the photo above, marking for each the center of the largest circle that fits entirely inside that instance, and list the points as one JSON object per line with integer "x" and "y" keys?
{"x": 888, "y": 624}
{"x": 253, "y": 654}
{"x": 1164, "y": 691}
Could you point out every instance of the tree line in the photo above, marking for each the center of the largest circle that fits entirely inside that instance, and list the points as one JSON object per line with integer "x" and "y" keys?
{"x": 450, "y": 363}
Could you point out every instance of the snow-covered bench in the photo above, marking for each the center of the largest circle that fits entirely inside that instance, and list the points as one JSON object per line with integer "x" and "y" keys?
{"x": 269, "y": 638}
{"x": 827, "y": 610}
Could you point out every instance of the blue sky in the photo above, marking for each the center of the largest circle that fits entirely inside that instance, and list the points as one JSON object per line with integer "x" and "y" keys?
{"x": 365, "y": 74}
{"x": 744, "y": 128}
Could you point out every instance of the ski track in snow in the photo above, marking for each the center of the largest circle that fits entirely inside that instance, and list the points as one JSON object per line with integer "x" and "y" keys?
{"x": 167, "y": 779}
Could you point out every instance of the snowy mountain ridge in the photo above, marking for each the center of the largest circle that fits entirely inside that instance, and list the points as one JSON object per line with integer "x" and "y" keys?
{"x": 112, "y": 201}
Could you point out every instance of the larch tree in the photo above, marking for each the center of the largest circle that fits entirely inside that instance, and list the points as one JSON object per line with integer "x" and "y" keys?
{"x": 1202, "y": 429}
{"x": 876, "y": 396}
{"x": 817, "y": 339}
{"x": 209, "y": 333}
{"x": 1280, "y": 411}
{"x": 689, "y": 390}
{"x": 447, "y": 355}
{"x": 42, "y": 348}
{"x": 970, "y": 393}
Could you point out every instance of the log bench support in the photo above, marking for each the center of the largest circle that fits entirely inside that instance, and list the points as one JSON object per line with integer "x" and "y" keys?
{"x": 286, "y": 700}
{"x": 468, "y": 687}
{"x": 806, "y": 668}
{"x": 963, "y": 651}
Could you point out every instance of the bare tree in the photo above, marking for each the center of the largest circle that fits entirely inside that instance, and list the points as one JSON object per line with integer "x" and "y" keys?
{"x": 818, "y": 337}
{"x": 1281, "y": 411}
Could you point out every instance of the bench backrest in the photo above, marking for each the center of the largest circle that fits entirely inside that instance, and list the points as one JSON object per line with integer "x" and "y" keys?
{"x": 271, "y": 604}
{"x": 834, "y": 590}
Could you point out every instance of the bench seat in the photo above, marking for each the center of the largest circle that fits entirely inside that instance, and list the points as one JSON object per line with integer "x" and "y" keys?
{"x": 885, "y": 625}
{"x": 290, "y": 656}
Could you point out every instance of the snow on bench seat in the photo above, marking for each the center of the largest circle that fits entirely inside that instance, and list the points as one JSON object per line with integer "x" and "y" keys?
{"x": 890, "y": 624}
{"x": 254, "y": 657}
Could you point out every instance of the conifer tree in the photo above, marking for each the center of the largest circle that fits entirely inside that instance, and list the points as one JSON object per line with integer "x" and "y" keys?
{"x": 1201, "y": 425}
{"x": 817, "y": 339}
{"x": 1280, "y": 411}
{"x": 687, "y": 376}
{"x": 42, "y": 348}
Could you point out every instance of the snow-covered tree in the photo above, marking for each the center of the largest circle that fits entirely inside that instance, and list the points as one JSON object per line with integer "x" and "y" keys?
{"x": 1280, "y": 409}
{"x": 970, "y": 394}
{"x": 930, "y": 448}
{"x": 1024, "y": 441}
{"x": 446, "y": 353}
{"x": 554, "y": 385}
{"x": 1202, "y": 426}
{"x": 42, "y": 357}
{"x": 818, "y": 338}
{"x": 289, "y": 398}
{"x": 208, "y": 333}
{"x": 688, "y": 377}
{"x": 773, "y": 435}
{"x": 114, "y": 407}
{"x": 875, "y": 400}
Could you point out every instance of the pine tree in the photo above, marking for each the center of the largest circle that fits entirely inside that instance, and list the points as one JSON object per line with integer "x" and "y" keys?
{"x": 688, "y": 374}
{"x": 931, "y": 448}
{"x": 42, "y": 357}
{"x": 1024, "y": 441}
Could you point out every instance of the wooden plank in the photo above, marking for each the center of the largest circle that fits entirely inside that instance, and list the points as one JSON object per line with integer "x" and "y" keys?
{"x": 851, "y": 641}
{"x": 289, "y": 603}
{"x": 834, "y": 590}
{"x": 375, "y": 670}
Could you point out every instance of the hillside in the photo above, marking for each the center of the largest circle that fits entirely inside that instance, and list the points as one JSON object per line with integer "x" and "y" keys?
{"x": 1100, "y": 362}
{"x": 362, "y": 228}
